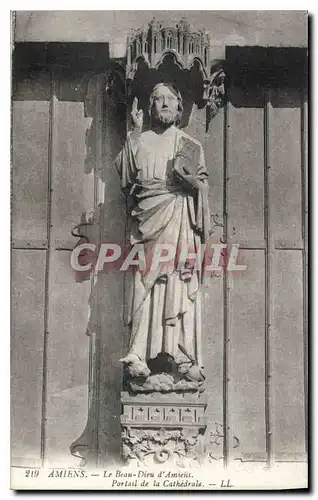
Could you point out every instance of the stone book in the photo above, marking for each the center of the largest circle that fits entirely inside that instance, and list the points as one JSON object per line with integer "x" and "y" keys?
{"x": 187, "y": 157}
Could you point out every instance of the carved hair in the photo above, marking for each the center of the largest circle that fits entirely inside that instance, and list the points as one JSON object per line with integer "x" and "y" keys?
{"x": 174, "y": 90}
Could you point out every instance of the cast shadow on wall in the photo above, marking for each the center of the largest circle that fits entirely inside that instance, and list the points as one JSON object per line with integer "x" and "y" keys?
{"x": 103, "y": 101}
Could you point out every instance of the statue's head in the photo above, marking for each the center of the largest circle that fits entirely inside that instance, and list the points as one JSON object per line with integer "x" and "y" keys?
{"x": 165, "y": 105}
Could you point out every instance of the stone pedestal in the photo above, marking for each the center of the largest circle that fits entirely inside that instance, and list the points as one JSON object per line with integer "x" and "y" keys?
{"x": 158, "y": 428}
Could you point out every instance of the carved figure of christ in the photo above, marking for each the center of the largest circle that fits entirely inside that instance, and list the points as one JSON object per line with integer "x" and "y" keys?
{"x": 163, "y": 173}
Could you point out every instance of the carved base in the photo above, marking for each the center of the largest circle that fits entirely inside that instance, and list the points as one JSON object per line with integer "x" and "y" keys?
{"x": 158, "y": 428}
{"x": 163, "y": 382}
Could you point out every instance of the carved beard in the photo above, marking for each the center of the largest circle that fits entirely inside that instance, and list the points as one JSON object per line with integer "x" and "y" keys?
{"x": 164, "y": 119}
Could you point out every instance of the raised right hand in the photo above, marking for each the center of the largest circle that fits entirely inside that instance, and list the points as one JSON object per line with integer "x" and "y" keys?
{"x": 137, "y": 115}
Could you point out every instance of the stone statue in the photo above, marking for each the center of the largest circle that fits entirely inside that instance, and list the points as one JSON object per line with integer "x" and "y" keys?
{"x": 163, "y": 173}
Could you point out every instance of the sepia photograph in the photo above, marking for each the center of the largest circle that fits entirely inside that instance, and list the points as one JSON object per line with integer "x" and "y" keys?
{"x": 159, "y": 250}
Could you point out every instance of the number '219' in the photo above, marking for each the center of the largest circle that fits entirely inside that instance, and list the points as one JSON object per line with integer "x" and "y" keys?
{"x": 32, "y": 473}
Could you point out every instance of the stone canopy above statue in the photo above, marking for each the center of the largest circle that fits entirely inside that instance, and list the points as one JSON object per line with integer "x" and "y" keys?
{"x": 157, "y": 39}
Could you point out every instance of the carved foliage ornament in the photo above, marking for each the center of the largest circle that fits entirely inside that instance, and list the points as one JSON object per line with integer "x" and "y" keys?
{"x": 162, "y": 445}
{"x": 215, "y": 95}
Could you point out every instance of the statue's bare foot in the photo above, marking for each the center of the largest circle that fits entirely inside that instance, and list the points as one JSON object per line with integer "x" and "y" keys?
{"x": 135, "y": 367}
{"x": 195, "y": 374}
{"x": 183, "y": 367}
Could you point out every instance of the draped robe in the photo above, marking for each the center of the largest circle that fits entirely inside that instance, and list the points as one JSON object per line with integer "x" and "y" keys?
{"x": 164, "y": 305}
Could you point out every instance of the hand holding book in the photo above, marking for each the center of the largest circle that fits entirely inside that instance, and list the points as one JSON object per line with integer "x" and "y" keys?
{"x": 188, "y": 178}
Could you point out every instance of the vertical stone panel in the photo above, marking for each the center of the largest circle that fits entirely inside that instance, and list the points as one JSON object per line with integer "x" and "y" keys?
{"x": 67, "y": 359}
{"x": 287, "y": 357}
{"x": 72, "y": 182}
{"x": 246, "y": 363}
{"x": 27, "y": 338}
{"x": 30, "y": 137}
{"x": 285, "y": 169}
{"x": 212, "y": 289}
{"x": 245, "y": 167}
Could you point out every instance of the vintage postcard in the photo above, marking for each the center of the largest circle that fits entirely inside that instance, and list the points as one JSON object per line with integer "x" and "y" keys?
{"x": 159, "y": 250}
